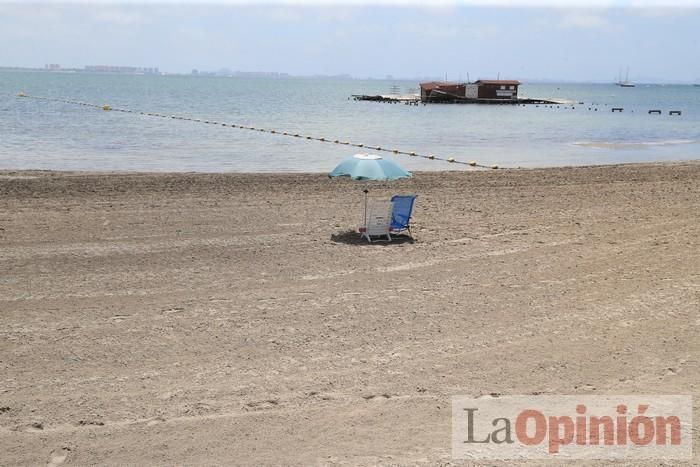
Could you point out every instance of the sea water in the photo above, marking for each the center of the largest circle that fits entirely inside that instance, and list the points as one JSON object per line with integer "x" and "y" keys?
{"x": 37, "y": 134}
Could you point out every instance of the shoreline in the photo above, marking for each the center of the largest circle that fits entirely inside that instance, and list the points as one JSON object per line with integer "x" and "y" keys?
{"x": 5, "y": 172}
{"x": 219, "y": 318}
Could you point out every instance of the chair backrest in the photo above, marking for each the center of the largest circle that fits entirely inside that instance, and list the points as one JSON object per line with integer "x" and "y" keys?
{"x": 401, "y": 214}
{"x": 379, "y": 217}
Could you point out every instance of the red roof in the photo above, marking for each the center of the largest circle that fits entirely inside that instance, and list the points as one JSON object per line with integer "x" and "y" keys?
{"x": 430, "y": 85}
{"x": 507, "y": 82}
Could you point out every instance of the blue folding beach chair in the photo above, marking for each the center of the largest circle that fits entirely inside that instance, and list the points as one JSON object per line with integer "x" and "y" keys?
{"x": 401, "y": 214}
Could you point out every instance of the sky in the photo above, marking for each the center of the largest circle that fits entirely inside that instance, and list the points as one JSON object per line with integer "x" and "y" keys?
{"x": 594, "y": 41}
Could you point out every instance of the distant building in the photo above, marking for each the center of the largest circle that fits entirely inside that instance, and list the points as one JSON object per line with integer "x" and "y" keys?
{"x": 121, "y": 69}
{"x": 494, "y": 89}
{"x": 483, "y": 89}
{"x": 434, "y": 91}
{"x": 260, "y": 74}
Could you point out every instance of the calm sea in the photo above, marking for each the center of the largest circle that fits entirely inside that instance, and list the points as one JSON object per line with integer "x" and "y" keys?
{"x": 50, "y": 135}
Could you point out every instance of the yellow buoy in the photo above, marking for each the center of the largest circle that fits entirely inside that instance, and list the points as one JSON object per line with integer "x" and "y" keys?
{"x": 22, "y": 94}
{"x": 106, "y": 107}
{"x": 472, "y": 163}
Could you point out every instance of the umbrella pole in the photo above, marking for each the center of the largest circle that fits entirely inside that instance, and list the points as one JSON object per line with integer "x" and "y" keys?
{"x": 366, "y": 191}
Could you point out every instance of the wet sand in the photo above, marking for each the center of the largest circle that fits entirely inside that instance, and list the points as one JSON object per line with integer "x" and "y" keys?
{"x": 236, "y": 318}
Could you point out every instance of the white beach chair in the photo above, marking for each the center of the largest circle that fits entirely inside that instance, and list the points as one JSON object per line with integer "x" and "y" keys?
{"x": 378, "y": 222}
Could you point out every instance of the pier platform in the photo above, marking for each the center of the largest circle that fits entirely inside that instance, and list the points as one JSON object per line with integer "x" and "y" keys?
{"x": 415, "y": 99}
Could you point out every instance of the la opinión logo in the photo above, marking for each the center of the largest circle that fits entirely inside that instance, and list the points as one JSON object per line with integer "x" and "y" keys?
{"x": 572, "y": 427}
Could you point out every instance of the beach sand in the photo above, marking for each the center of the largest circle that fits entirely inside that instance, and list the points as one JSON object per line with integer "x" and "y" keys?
{"x": 236, "y": 318}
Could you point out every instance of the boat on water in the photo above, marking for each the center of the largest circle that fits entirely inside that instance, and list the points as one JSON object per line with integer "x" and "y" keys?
{"x": 626, "y": 83}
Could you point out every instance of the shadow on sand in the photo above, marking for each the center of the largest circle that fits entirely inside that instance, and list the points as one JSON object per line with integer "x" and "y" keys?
{"x": 351, "y": 237}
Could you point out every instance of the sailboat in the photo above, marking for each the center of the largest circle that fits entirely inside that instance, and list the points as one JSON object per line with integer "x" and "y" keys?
{"x": 626, "y": 83}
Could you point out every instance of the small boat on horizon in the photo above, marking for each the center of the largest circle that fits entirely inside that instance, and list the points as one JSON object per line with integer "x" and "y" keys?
{"x": 626, "y": 83}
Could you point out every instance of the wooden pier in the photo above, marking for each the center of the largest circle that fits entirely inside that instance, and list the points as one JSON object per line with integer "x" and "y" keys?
{"x": 415, "y": 100}
{"x": 390, "y": 99}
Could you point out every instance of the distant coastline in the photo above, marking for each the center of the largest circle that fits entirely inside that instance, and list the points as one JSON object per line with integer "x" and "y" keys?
{"x": 92, "y": 69}
{"x": 154, "y": 71}
{"x": 227, "y": 73}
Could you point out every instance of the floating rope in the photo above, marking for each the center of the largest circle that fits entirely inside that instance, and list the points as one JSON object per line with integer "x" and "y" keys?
{"x": 109, "y": 108}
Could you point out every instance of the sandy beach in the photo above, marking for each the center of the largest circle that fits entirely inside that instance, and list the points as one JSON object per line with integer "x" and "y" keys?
{"x": 162, "y": 319}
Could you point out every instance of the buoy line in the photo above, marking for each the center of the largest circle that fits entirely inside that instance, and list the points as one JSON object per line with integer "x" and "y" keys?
{"x": 109, "y": 108}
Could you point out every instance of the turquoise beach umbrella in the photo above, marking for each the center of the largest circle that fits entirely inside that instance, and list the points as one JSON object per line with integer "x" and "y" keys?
{"x": 369, "y": 167}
